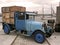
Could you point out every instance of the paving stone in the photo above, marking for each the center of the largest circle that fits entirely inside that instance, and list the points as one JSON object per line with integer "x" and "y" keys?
{"x": 6, "y": 39}
{"x": 24, "y": 40}
{"x": 54, "y": 39}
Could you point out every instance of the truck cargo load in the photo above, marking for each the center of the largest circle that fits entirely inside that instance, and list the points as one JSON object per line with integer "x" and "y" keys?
{"x": 8, "y": 13}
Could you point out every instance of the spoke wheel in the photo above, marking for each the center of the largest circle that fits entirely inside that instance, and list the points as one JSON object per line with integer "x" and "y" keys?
{"x": 39, "y": 37}
{"x": 6, "y": 29}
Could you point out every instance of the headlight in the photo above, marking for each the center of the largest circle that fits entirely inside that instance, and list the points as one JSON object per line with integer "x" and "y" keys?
{"x": 45, "y": 26}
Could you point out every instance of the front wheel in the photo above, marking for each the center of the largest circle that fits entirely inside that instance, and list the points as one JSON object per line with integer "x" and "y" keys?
{"x": 39, "y": 37}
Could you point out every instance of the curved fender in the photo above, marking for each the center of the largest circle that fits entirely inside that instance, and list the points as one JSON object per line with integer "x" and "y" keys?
{"x": 31, "y": 32}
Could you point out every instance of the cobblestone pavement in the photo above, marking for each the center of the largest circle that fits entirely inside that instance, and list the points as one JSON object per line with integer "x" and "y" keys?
{"x": 24, "y": 40}
{"x": 6, "y": 39}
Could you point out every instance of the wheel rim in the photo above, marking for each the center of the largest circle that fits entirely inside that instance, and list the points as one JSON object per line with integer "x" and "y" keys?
{"x": 6, "y": 29}
{"x": 39, "y": 38}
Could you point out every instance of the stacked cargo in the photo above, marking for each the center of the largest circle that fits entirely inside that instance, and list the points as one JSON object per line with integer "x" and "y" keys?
{"x": 8, "y": 13}
{"x": 58, "y": 15}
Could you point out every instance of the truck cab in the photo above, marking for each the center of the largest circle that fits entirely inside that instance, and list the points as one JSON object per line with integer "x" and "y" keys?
{"x": 25, "y": 23}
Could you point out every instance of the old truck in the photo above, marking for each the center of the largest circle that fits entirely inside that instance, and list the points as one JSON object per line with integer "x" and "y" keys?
{"x": 25, "y": 23}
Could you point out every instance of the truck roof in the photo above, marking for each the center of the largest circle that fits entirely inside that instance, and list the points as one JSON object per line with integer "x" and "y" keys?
{"x": 31, "y": 13}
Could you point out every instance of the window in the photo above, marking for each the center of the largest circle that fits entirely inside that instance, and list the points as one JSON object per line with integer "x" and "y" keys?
{"x": 27, "y": 16}
{"x": 21, "y": 16}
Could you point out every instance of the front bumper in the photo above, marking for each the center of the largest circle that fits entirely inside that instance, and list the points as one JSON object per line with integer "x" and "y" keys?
{"x": 49, "y": 30}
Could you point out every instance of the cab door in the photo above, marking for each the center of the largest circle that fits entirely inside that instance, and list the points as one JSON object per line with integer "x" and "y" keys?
{"x": 19, "y": 20}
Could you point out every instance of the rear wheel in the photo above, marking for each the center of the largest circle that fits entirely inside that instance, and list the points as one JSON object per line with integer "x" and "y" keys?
{"x": 39, "y": 37}
{"x": 6, "y": 29}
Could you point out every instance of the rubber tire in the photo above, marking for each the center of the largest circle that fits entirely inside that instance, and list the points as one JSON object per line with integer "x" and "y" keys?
{"x": 6, "y": 29}
{"x": 38, "y": 32}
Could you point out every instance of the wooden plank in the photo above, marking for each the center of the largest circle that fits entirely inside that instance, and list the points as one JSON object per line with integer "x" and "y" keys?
{"x": 22, "y": 9}
{"x": 6, "y": 15}
{"x": 11, "y": 14}
{"x": 17, "y": 8}
{"x": 5, "y": 9}
{"x": 7, "y": 20}
{"x": 13, "y": 9}
{"x": 11, "y": 20}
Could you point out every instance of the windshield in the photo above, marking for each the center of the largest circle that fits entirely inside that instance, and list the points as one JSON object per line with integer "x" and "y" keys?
{"x": 30, "y": 17}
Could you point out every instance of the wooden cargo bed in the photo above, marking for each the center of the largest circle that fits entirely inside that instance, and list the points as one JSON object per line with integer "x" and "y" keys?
{"x": 8, "y": 13}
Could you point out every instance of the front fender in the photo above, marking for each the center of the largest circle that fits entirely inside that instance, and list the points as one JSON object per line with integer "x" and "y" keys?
{"x": 33, "y": 31}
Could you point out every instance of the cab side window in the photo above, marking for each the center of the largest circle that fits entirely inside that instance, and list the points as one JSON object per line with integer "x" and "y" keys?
{"x": 27, "y": 16}
{"x": 21, "y": 16}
